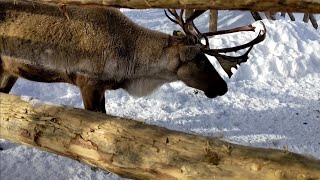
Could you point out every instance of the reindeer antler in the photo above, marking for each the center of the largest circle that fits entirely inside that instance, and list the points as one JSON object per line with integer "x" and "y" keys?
{"x": 196, "y": 36}
{"x": 192, "y": 32}
{"x": 217, "y": 52}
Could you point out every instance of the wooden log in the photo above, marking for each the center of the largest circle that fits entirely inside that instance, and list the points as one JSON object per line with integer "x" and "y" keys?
{"x": 311, "y": 6}
{"x": 137, "y": 150}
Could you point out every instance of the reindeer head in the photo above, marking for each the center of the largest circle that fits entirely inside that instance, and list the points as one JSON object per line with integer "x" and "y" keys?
{"x": 194, "y": 69}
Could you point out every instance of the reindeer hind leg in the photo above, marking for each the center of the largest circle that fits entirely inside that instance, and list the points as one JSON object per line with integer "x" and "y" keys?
{"x": 6, "y": 81}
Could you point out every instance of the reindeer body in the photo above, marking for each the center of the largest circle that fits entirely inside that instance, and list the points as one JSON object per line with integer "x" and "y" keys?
{"x": 94, "y": 48}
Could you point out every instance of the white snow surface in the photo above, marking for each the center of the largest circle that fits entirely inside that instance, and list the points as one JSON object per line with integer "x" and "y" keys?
{"x": 273, "y": 99}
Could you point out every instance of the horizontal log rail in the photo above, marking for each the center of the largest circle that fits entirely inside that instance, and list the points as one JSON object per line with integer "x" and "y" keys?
{"x": 137, "y": 150}
{"x": 310, "y": 6}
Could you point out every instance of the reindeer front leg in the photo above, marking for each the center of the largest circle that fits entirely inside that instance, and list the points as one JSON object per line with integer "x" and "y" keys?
{"x": 93, "y": 98}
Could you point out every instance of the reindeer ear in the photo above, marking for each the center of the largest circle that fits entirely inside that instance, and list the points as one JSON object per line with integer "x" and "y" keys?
{"x": 188, "y": 53}
{"x": 228, "y": 65}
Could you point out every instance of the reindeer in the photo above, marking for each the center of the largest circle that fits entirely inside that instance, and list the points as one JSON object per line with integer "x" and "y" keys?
{"x": 99, "y": 49}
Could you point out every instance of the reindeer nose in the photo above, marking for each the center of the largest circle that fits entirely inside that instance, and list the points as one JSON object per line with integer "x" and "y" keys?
{"x": 221, "y": 90}
{"x": 218, "y": 90}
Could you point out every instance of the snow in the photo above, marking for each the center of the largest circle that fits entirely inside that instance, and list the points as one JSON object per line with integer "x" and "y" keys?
{"x": 273, "y": 99}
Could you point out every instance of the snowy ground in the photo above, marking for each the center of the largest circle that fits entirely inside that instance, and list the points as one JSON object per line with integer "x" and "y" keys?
{"x": 273, "y": 100}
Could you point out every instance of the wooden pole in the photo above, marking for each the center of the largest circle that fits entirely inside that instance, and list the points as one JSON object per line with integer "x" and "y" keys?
{"x": 311, "y": 6}
{"x": 256, "y": 16}
{"x": 270, "y": 15}
{"x": 137, "y": 150}
{"x": 187, "y": 14}
{"x": 306, "y": 17}
{"x": 291, "y": 16}
{"x": 213, "y": 24}
{"x": 283, "y": 14}
{"x": 313, "y": 21}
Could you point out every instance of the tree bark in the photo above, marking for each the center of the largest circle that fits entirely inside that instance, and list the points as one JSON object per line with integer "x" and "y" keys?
{"x": 213, "y": 26}
{"x": 312, "y": 6}
{"x": 137, "y": 150}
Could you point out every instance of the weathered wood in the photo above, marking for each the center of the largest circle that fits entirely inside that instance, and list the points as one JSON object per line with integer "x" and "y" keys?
{"x": 312, "y": 6}
{"x": 187, "y": 14}
{"x": 137, "y": 150}
{"x": 213, "y": 24}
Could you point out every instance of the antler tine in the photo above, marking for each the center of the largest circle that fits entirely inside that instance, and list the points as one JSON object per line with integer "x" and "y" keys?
{"x": 194, "y": 15}
{"x": 173, "y": 13}
{"x": 181, "y": 19}
{"x": 165, "y": 12}
{"x": 234, "y": 30}
{"x": 181, "y": 13}
{"x": 193, "y": 33}
{"x": 238, "y": 59}
{"x": 200, "y": 35}
{"x": 178, "y": 19}
{"x": 257, "y": 40}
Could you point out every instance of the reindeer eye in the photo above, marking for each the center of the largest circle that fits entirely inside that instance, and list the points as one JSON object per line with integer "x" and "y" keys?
{"x": 202, "y": 64}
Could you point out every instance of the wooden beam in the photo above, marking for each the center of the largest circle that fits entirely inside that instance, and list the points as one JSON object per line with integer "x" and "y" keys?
{"x": 137, "y": 150}
{"x": 311, "y": 6}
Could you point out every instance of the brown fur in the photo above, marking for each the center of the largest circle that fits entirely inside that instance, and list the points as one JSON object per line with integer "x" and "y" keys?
{"x": 96, "y": 49}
